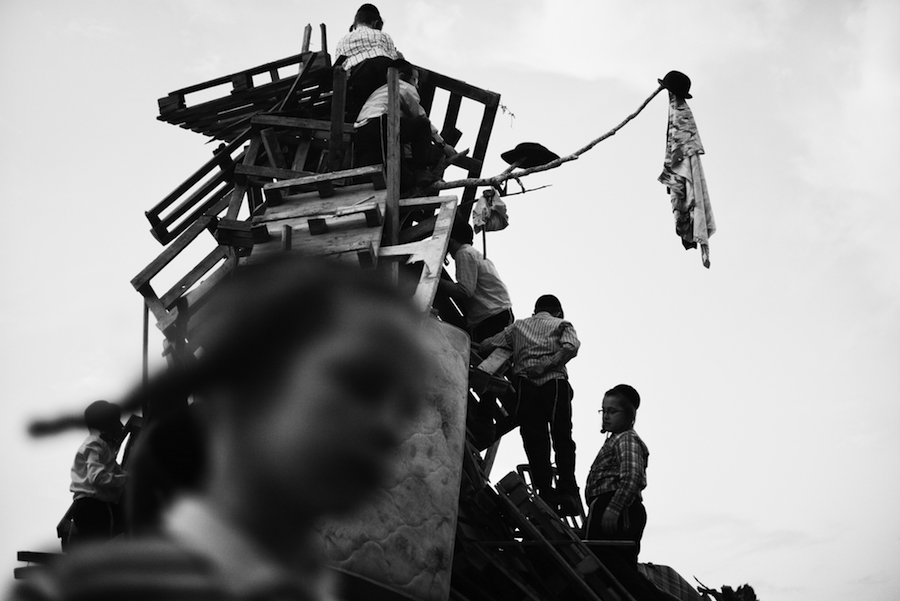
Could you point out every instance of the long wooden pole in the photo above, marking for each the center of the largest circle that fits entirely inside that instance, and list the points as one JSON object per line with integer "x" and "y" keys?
{"x": 510, "y": 173}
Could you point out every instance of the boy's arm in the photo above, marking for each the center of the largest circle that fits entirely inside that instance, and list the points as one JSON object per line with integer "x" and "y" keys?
{"x": 102, "y": 469}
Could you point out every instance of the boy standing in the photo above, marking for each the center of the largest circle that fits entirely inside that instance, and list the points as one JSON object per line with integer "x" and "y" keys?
{"x": 367, "y": 53}
{"x": 541, "y": 346}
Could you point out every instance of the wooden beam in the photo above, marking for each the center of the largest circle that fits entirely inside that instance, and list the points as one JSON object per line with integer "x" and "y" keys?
{"x": 323, "y": 177}
{"x": 392, "y": 160}
{"x": 298, "y": 123}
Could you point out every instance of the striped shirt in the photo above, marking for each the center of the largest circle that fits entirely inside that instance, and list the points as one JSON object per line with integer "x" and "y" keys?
{"x": 541, "y": 346}
{"x": 620, "y": 468}
{"x": 363, "y": 43}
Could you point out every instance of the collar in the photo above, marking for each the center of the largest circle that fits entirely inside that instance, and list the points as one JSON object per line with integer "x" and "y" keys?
{"x": 244, "y": 568}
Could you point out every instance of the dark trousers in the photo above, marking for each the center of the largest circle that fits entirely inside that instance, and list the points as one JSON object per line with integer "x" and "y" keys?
{"x": 492, "y": 325}
{"x": 371, "y": 140}
{"x": 95, "y": 520}
{"x": 545, "y": 414}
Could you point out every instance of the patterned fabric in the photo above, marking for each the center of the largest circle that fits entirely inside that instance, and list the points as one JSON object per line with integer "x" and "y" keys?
{"x": 541, "y": 344}
{"x": 620, "y": 467}
{"x": 683, "y": 175}
{"x": 669, "y": 581}
{"x": 486, "y": 295}
{"x": 363, "y": 43}
{"x": 95, "y": 472}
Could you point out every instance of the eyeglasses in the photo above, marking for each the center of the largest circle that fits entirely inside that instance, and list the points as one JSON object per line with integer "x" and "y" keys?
{"x": 609, "y": 412}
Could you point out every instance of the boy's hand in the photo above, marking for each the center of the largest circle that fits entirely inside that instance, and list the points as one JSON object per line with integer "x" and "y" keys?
{"x": 609, "y": 522}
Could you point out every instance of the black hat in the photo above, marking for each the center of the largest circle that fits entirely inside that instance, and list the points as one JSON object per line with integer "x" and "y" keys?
{"x": 102, "y": 415}
{"x": 678, "y": 83}
{"x": 529, "y": 154}
{"x": 548, "y": 302}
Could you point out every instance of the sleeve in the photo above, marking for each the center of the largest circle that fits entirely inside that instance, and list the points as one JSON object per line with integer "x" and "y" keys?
{"x": 631, "y": 470}
{"x": 466, "y": 273}
{"x": 102, "y": 469}
{"x": 502, "y": 339}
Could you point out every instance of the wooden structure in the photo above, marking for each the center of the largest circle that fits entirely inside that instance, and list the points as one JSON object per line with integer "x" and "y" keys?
{"x": 283, "y": 180}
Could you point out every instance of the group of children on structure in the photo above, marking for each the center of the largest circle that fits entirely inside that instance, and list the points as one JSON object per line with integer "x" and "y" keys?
{"x": 289, "y": 367}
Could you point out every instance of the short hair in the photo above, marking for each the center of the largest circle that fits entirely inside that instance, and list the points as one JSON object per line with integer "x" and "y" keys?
{"x": 102, "y": 415}
{"x": 549, "y": 303}
{"x": 626, "y": 393}
{"x": 462, "y": 232}
{"x": 367, "y": 14}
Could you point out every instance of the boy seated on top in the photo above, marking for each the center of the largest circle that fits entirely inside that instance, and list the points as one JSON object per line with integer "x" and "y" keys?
{"x": 425, "y": 143}
{"x": 367, "y": 53}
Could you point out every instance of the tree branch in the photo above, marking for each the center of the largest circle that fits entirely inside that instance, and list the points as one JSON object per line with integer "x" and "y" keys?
{"x": 509, "y": 173}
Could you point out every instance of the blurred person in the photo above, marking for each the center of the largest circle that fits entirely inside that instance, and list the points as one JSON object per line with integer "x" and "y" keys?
{"x": 478, "y": 287}
{"x": 541, "y": 347}
{"x": 307, "y": 383}
{"x": 97, "y": 478}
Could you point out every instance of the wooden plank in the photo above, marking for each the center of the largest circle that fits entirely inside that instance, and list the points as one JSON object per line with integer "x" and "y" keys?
{"x": 323, "y": 177}
{"x": 298, "y": 123}
{"x": 452, "y": 115}
{"x": 392, "y": 160}
{"x": 306, "y": 205}
{"x": 189, "y": 279}
{"x": 270, "y": 172}
{"x": 197, "y": 176}
{"x": 286, "y": 237}
{"x": 431, "y": 252}
{"x": 273, "y": 148}
{"x": 307, "y": 35}
{"x": 321, "y": 57}
{"x": 170, "y": 252}
{"x": 495, "y": 360}
{"x": 195, "y": 297}
{"x": 338, "y": 104}
{"x": 302, "y": 152}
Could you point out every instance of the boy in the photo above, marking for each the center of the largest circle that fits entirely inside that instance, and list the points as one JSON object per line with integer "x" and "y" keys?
{"x": 541, "y": 346}
{"x": 478, "y": 286}
{"x": 367, "y": 52}
{"x": 415, "y": 129}
{"x": 97, "y": 480}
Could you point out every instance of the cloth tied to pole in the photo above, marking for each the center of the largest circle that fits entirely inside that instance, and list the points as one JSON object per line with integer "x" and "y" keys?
{"x": 489, "y": 213}
{"x": 683, "y": 176}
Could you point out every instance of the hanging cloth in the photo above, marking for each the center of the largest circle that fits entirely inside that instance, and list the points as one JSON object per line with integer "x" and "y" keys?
{"x": 489, "y": 213}
{"x": 683, "y": 175}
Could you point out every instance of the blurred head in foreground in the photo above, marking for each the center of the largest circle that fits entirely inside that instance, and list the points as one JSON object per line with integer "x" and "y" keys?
{"x": 305, "y": 384}
{"x": 308, "y": 381}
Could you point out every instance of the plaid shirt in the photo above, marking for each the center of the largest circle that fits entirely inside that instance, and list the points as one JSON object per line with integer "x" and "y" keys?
{"x": 363, "y": 43}
{"x": 620, "y": 467}
{"x": 540, "y": 341}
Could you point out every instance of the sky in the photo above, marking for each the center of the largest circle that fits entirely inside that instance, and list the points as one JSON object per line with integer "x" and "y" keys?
{"x": 770, "y": 383}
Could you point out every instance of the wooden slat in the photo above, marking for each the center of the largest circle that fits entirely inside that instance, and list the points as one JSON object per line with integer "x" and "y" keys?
{"x": 202, "y": 268}
{"x": 392, "y": 160}
{"x": 170, "y": 252}
{"x": 197, "y": 176}
{"x": 270, "y": 172}
{"x": 298, "y": 123}
{"x": 323, "y": 177}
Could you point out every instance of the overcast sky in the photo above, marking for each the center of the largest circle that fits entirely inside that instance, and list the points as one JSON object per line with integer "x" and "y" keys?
{"x": 770, "y": 382}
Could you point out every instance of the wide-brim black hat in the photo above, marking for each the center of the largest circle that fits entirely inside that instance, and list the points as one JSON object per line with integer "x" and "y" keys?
{"x": 678, "y": 83}
{"x": 529, "y": 154}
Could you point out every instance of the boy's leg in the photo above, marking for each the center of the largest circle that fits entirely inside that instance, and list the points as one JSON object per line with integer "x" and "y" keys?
{"x": 535, "y": 406}
{"x": 564, "y": 446}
